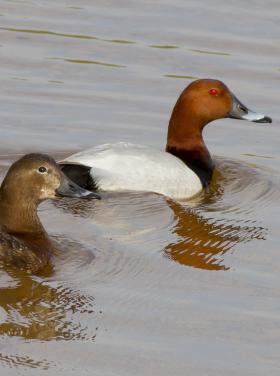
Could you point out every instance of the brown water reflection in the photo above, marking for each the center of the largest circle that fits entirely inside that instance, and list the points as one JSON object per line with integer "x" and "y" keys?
{"x": 184, "y": 288}
{"x": 15, "y": 361}
{"x": 36, "y": 310}
{"x": 203, "y": 242}
{"x": 199, "y": 241}
{"x": 196, "y": 233}
{"x": 42, "y": 307}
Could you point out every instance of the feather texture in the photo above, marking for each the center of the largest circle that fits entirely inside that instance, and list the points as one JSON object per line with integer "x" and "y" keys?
{"x": 124, "y": 166}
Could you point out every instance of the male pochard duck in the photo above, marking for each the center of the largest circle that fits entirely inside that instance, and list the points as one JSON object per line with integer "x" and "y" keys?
{"x": 179, "y": 172}
{"x": 34, "y": 178}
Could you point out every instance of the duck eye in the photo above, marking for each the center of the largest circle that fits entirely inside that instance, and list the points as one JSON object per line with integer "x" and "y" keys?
{"x": 42, "y": 170}
{"x": 213, "y": 92}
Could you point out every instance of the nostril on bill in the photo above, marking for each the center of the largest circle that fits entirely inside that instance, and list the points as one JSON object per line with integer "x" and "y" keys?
{"x": 242, "y": 108}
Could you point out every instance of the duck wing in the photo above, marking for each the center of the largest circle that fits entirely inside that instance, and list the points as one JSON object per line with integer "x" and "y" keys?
{"x": 16, "y": 253}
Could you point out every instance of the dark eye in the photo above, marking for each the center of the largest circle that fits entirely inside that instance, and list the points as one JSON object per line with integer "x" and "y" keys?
{"x": 214, "y": 92}
{"x": 42, "y": 170}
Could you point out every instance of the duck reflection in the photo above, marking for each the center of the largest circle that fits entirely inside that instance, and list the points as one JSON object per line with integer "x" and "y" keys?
{"x": 202, "y": 242}
{"x": 26, "y": 361}
{"x": 37, "y": 309}
{"x": 218, "y": 220}
{"x": 197, "y": 233}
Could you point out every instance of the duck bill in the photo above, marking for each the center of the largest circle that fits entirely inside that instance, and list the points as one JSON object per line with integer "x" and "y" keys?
{"x": 240, "y": 111}
{"x": 68, "y": 188}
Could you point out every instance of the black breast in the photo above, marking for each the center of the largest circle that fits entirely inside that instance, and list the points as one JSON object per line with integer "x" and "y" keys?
{"x": 80, "y": 175}
{"x": 199, "y": 160}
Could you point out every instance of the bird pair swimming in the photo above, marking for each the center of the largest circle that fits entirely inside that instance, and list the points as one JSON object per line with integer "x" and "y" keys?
{"x": 184, "y": 168}
{"x": 179, "y": 172}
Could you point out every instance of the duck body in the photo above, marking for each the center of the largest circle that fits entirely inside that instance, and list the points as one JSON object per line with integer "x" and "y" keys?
{"x": 24, "y": 243}
{"x": 24, "y": 253}
{"x": 184, "y": 168}
{"x": 125, "y": 166}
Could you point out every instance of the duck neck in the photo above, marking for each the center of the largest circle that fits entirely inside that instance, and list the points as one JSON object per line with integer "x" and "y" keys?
{"x": 20, "y": 218}
{"x": 185, "y": 141}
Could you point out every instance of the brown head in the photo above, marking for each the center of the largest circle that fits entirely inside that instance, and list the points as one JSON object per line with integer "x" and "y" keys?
{"x": 29, "y": 181}
{"x": 200, "y": 103}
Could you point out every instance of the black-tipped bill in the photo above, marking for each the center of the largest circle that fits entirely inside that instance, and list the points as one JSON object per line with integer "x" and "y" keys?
{"x": 68, "y": 188}
{"x": 240, "y": 111}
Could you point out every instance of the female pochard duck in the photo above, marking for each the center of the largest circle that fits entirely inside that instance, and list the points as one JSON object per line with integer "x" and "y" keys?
{"x": 34, "y": 178}
{"x": 184, "y": 168}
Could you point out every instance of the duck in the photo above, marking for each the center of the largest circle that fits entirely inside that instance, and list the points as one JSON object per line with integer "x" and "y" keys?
{"x": 184, "y": 168}
{"x": 24, "y": 243}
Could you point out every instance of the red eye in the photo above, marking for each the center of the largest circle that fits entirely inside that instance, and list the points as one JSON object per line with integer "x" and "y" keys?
{"x": 213, "y": 92}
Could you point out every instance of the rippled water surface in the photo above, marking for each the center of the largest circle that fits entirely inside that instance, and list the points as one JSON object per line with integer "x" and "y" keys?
{"x": 142, "y": 284}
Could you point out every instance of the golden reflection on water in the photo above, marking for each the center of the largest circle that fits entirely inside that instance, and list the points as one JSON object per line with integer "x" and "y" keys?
{"x": 36, "y": 310}
{"x": 205, "y": 228}
{"x": 140, "y": 275}
{"x": 203, "y": 242}
{"x": 196, "y": 234}
{"x": 26, "y": 361}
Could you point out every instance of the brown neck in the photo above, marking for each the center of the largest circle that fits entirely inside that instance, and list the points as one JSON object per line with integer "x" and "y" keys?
{"x": 185, "y": 141}
{"x": 20, "y": 219}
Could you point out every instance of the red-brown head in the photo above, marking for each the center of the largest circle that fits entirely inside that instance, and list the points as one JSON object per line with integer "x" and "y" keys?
{"x": 200, "y": 103}
{"x": 203, "y": 101}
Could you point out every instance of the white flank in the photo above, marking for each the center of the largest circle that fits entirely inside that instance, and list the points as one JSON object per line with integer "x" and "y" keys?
{"x": 124, "y": 166}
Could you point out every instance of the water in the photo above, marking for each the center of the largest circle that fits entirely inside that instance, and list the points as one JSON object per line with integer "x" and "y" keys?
{"x": 142, "y": 284}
